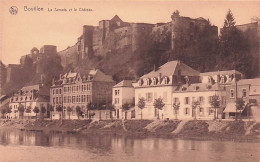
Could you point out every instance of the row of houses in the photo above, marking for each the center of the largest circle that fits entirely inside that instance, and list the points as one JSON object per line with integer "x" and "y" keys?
{"x": 94, "y": 94}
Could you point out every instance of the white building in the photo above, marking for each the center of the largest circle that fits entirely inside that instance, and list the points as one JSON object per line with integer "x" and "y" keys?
{"x": 186, "y": 94}
{"x": 123, "y": 93}
{"x": 29, "y": 97}
{"x": 161, "y": 83}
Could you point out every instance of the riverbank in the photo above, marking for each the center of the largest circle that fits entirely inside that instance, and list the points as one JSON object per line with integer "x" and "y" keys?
{"x": 193, "y": 129}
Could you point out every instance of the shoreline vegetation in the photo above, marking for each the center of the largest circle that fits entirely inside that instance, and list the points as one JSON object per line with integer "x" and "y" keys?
{"x": 186, "y": 129}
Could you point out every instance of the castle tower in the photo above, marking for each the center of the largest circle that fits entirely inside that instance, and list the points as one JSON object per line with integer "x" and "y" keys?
{"x": 86, "y": 48}
{"x": 175, "y": 27}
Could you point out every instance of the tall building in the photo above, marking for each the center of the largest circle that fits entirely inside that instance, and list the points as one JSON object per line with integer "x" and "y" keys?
{"x": 76, "y": 89}
{"x": 123, "y": 93}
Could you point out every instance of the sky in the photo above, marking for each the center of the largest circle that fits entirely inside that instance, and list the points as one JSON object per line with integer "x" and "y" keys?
{"x": 27, "y": 29}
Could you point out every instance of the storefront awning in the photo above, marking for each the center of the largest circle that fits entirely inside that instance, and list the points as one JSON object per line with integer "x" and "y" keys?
{"x": 231, "y": 107}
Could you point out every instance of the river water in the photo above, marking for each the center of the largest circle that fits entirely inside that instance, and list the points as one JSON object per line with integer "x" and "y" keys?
{"x": 23, "y": 146}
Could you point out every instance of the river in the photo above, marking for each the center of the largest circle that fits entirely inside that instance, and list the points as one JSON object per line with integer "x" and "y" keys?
{"x": 24, "y": 146}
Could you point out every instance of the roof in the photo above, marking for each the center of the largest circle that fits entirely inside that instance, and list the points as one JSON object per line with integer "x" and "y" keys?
{"x": 100, "y": 76}
{"x": 124, "y": 83}
{"x": 255, "y": 81}
{"x": 227, "y": 72}
{"x": 198, "y": 87}
{"x": 171, "y": 68}
{"x": 116, "y": 18}
{"x": 254, "y": 90}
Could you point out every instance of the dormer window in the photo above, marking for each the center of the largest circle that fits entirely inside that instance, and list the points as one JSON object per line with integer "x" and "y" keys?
{"x": 140, "y": 82}
{"x": 196, "y": 88}
{"x": 183, "y": 89}
{"x": 208, "y": 86}
{"x": 147, "y": 82}
{"x": 154, "y": 81}
{"x": 222, "y": 79}
{"x": 166, "y": 79}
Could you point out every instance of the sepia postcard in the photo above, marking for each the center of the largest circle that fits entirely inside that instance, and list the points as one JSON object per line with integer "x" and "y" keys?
{"x": 129, "y": 80}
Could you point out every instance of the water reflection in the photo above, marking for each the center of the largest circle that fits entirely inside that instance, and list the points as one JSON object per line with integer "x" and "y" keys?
{"x": 133, "y": 149}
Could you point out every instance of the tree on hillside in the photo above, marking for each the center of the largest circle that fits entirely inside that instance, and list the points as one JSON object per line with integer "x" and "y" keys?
{"x": 36, "y": 110}
{"x": 158, "y": 104}
{"x": 215, "y": 103}
{"x": 21, "y": 110}
{"x": 69, "y": 110}
{"x": 240, "y": 105}
{"x": 28, "y": 111}
{"x": 176, "y": 107}
{"x": 234, "y": 49}
{"x": 141, "y": 105}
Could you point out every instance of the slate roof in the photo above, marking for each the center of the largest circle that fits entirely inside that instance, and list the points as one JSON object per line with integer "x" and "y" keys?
{"x": 227, "y": 72}
{"x": 255, "y": 81}
{"x": 124, "y": 83}
{"x": 198, "y": 87}
{"x": 171, "y": 68}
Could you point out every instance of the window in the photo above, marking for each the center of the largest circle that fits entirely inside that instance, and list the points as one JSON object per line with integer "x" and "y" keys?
{"x": 201, "y": 99}
{"x": 116, "y": 92}
{"x": 187, "y": 111}
{"x": 57, "y": 91}
{"x": 53, "y": 100}
{"x": 186, "y": 100}
{"x": 53, "y": 91}
{"x": 210, "y": 99}
{"x": 60, "y": 100}
{"x": 116, "y": 100}
{"x": 244, "y": 92}
{"x": 64, "y": 99}
{"x": 201, "y": 111}
{"x": 149, "y": 97}
{"x": 60, "y": 91}
{"x": 176, "y": 100}
{"x": 232, "y": 93}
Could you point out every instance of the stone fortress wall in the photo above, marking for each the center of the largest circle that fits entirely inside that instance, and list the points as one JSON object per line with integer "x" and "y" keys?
{"x": 114, "y": 34}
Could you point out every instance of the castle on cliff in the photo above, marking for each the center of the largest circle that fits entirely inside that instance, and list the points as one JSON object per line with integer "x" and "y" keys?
{"x": 115, "y": 34}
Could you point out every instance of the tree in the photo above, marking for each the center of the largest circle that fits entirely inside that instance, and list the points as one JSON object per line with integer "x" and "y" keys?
{"x": 43, "y": 111}
{"x": 79, "y": 112}
{"x": 15, "y": 111}
{"x": 125, "y": 107}
{"x": 9, "y": 110}
{"x": 50, "y": 109}
{"x": 158, "y": 104}
{"x": 240, "y": 104}
{"x": 69, "y": 110}
{"x": 21, "y": 110}
{"x": 60, "y": 110}
{"x": 3, "y": 111}
{"x": 194, "y": 108}
{"x": 215, "y": 103}
{"x": 28, "y": 110}
{"x": 176, "y": 107}
{"x": 36, "y": 110}
{"x": 141, "y": 105}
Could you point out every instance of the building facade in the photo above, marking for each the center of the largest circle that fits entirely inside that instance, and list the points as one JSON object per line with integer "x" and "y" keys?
{"x": 75, "y": 89}
{"x": 160, "y": 84}
{"x": 123, "y": 93}
{"x": 29, "y": 97}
